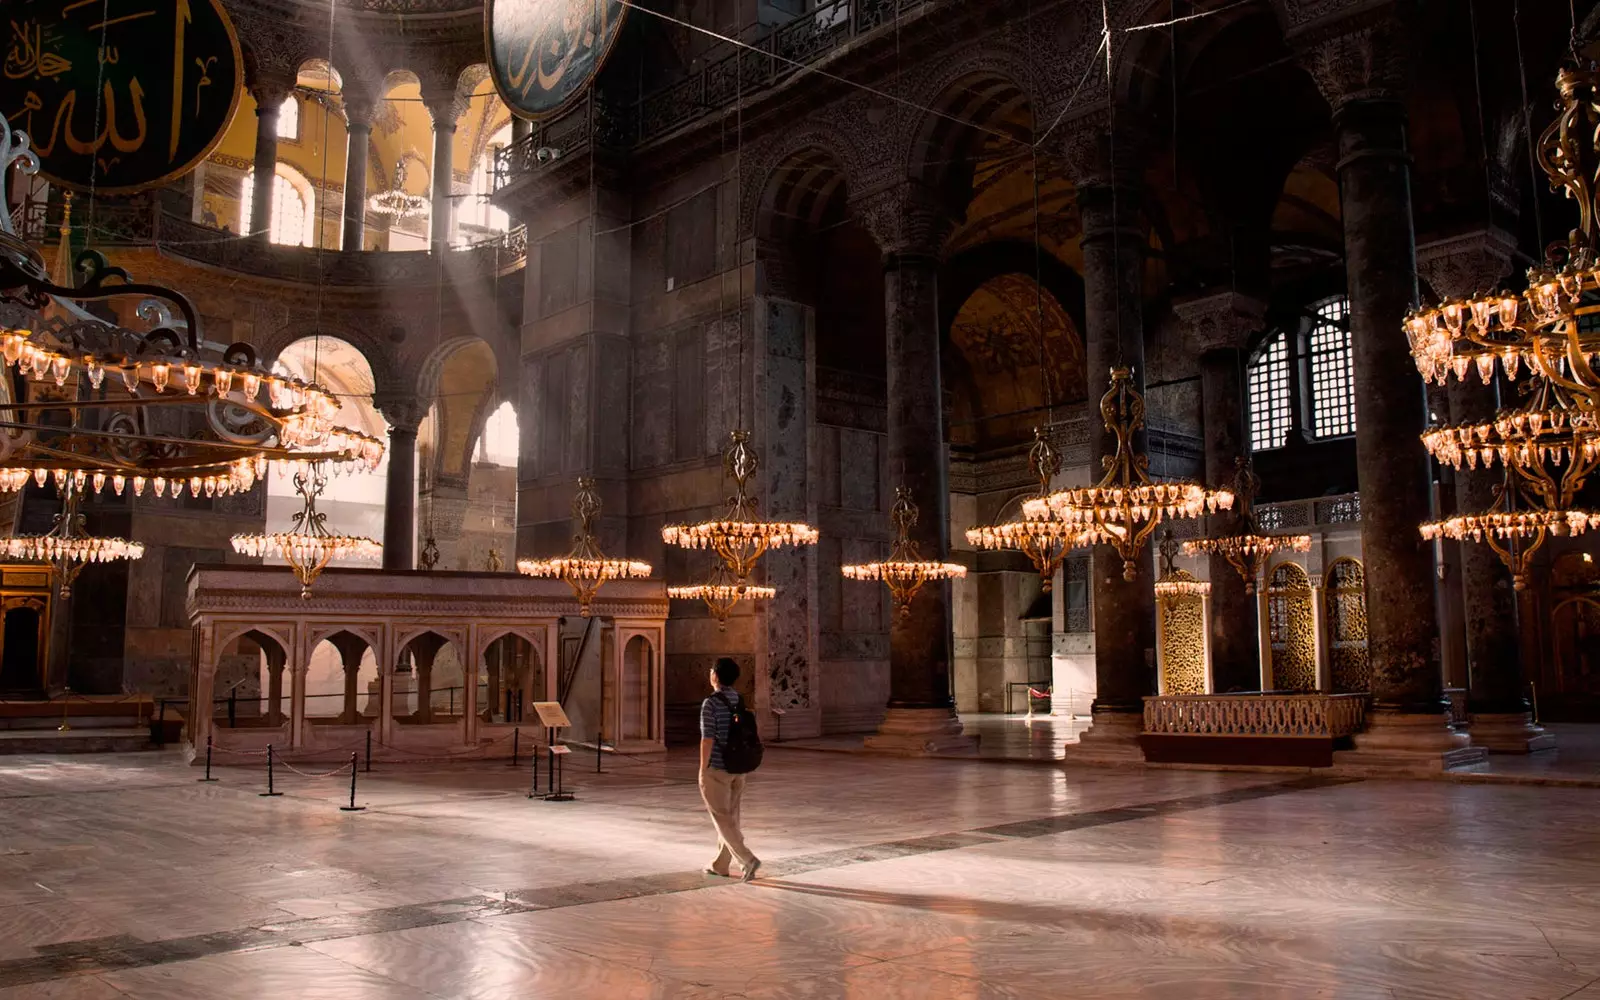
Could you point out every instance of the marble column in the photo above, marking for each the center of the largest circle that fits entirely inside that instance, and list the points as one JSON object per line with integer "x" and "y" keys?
{"x": 1220, "y": 325}
{"x": 1496, "y": 683}
{"x": 1113, "y": 270}
{"x": 1360, "y": 70}
{"x": 404, "y": 414}
{"x": 269, "y": 94}
{"x": 359, "y": 109}
{"x": 910, "y": 228}
{"x": 444, "y": 110}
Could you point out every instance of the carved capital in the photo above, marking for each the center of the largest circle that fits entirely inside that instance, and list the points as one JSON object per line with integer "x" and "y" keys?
{"x": 1466, "y": 264}
{"x": 360, "y": 105}
{"x": 403, "y": 410}
{"x": 269, "y": 92}
{"x": 445, "y": 104}
{"x": 905, "y": 220}
{"x": 1221, "y": 320}
{"x": 1357, "y": 59}
{"x": 1102, "y": 147}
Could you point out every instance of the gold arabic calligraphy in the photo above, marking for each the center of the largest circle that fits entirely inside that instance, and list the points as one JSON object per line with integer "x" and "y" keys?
{"x": 550, "y": 52}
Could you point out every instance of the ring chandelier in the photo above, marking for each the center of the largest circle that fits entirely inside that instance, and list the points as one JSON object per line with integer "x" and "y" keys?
{"x": 722, "y": 594}
{"x": 1550, "y": 327}
{"x": 1125, "y": 506}
{"x": 741, "y": 538}
{"x": 154, "y": 409}
{"x": 1047, "y": 540}
{"x": 585, "y": 568}
{"x": 67, "y": 546}
{"x": 1247, "y": 550}
{"x": 1548, "y": 447}
{"x": 309, "y": 546}
{"x": 905, "y": 571}
{"x": 1173, "y": 586}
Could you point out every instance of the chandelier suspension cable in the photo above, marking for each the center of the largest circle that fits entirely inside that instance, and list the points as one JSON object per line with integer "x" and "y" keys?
{"x": 1527, "y": 124}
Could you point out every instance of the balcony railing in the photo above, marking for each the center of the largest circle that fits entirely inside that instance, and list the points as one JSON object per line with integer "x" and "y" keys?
{"x": 718, "y": 84}
{"x": 1301, "y": 715}
{"x": 149, "y": 226}
{"x": 1318, "y": 512}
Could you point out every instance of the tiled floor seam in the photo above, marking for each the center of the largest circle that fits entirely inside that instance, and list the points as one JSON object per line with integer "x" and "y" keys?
{"x": 70, "y": 959}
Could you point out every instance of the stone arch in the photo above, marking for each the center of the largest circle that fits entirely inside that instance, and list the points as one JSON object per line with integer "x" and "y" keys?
{"x": 770, "y": 171}
{"x": 1291, "y": 627}
{"x": 1143, "y": 61}
{"x": 983, "y": 100}
{"x": 514, "y": 667}
{"x": 379, "y": 359}
{"x": 428, "y": 694}
{"x": 352, "y": 646}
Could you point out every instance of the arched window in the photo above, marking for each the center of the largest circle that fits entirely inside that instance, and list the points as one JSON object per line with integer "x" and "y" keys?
{"x": 1333, "y": 387}
{"x": 291, "y": 222}
{"x": 499, "y": 443}
{"x": 1271, "y": 409}
{"x": 289, "y": 119}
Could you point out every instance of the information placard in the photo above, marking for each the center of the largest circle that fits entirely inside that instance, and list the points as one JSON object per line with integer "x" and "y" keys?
{"x": 551, "y": 715}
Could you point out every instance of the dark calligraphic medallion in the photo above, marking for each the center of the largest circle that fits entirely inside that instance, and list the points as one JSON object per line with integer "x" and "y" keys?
{"x": 120, "y": 95}
{"x": 542, "y": 53}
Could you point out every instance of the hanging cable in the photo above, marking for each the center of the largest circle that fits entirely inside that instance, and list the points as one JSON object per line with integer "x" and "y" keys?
{"x": 1527, "y": 124}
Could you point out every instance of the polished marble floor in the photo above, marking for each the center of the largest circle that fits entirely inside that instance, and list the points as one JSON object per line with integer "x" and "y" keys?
{"x": 121, "y": 876}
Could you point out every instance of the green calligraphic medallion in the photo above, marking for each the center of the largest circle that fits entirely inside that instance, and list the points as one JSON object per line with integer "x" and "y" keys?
{"x": 543, "y": 53}
{"x": 120, "y": 95}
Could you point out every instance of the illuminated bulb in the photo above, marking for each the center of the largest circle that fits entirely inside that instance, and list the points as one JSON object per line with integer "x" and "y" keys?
{"x": 160, "y": 372}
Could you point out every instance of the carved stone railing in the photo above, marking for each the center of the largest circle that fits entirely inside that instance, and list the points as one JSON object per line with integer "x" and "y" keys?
{"x": 1317, "y": 512}
{"x": 781, "y": 54}
{"x": 144, "y": 225}
{"x": 1300, "y": 715}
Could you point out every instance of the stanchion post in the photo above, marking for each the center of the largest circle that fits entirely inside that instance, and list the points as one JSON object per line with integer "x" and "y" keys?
{"x": 159, "y": 737}
{"x": 516, "y": 737}
{"x": 66, "y": 700}
{"x": 533, "y": 769}
{"x": 600, "y": 729}
{"x": 369, "y": 751}
{"x": 352, "y": 807}
{"x": 233, "y": 707}
{"x": 208, "y": 776}
{"x": 271, "y": 792}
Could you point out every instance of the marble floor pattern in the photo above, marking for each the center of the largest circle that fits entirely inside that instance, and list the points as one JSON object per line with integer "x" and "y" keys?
{"x": 122, "y": 876}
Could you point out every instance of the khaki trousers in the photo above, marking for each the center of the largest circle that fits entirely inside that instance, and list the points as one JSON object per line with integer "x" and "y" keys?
{"x": 722, "y": 792}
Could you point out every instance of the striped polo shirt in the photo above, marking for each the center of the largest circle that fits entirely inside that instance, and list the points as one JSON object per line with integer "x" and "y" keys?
{"x": 715, "y": 718}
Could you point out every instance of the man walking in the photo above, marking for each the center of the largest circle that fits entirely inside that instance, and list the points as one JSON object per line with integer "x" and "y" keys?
{"x": 721, "y": 790}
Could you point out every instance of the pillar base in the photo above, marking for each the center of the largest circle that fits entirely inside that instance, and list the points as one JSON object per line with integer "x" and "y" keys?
{"x": 1408, "y": 743}
{"x": 1112, "y": 738}
{"x": 1509, "y": 732}
{"x": 921, "y": 731}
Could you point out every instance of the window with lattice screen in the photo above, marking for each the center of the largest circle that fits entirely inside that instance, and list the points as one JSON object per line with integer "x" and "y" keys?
{"x": 1333, "y": 386}
{"x": 1267, "y": 382}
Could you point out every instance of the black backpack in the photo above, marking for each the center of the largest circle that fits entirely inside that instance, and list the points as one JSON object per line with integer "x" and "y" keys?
{"x": 741, "y": 751}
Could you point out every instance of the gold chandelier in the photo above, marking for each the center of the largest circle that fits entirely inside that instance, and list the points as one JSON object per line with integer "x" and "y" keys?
{"x": 1045, "y": 540}
{"x": 741, "y": 538}
{"x": 68, "y": 547}
{"x": 585, "y": 568}
{"x": 905, "y": 571}
{"x": 1125, "y": 506}
{"x": 1247, "y": 550}
{"x": 1543, "y": 328}
{"x": 157, "y": 409}
{"x": 1173, "y": 584}
{"x": 721, "y": 593}
{"x": 309, "y": 546}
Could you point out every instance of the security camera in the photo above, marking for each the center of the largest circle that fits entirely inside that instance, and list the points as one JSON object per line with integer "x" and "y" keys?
{"x": 547, "y": 154}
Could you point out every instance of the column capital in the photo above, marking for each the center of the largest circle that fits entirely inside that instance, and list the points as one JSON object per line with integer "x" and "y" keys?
{"x": 360, "y": 105}
{"x": 403, "y": 410}
{"x": 1356, "y": 59}
{"x": 1467, "y": 263}
{"x": 269, "y": 91}
{"x": 445, "y": 107}
{"x": 1220, "y": 320}
{"x": 906, "y": 220}
{"x": 1104, "y": 147}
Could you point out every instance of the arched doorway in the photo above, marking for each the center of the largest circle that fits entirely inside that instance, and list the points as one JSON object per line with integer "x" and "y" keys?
{"x": 1345, "y": 600}
{"x": 22, "y": 646}
{"x": 513, "y": 679}
{"x": 342, "y": 684}
{"x": 1292, "y": 629}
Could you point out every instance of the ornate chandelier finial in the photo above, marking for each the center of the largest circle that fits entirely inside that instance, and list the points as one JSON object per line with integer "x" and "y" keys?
{"x": 743, "y": 536}
{"x": 1247, "y": 549}
{"x": 309, "y": 546}
{"x": 905, "y": 571}
{"x": 1125, "y": 506}
{"x": 585, "y": 569}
